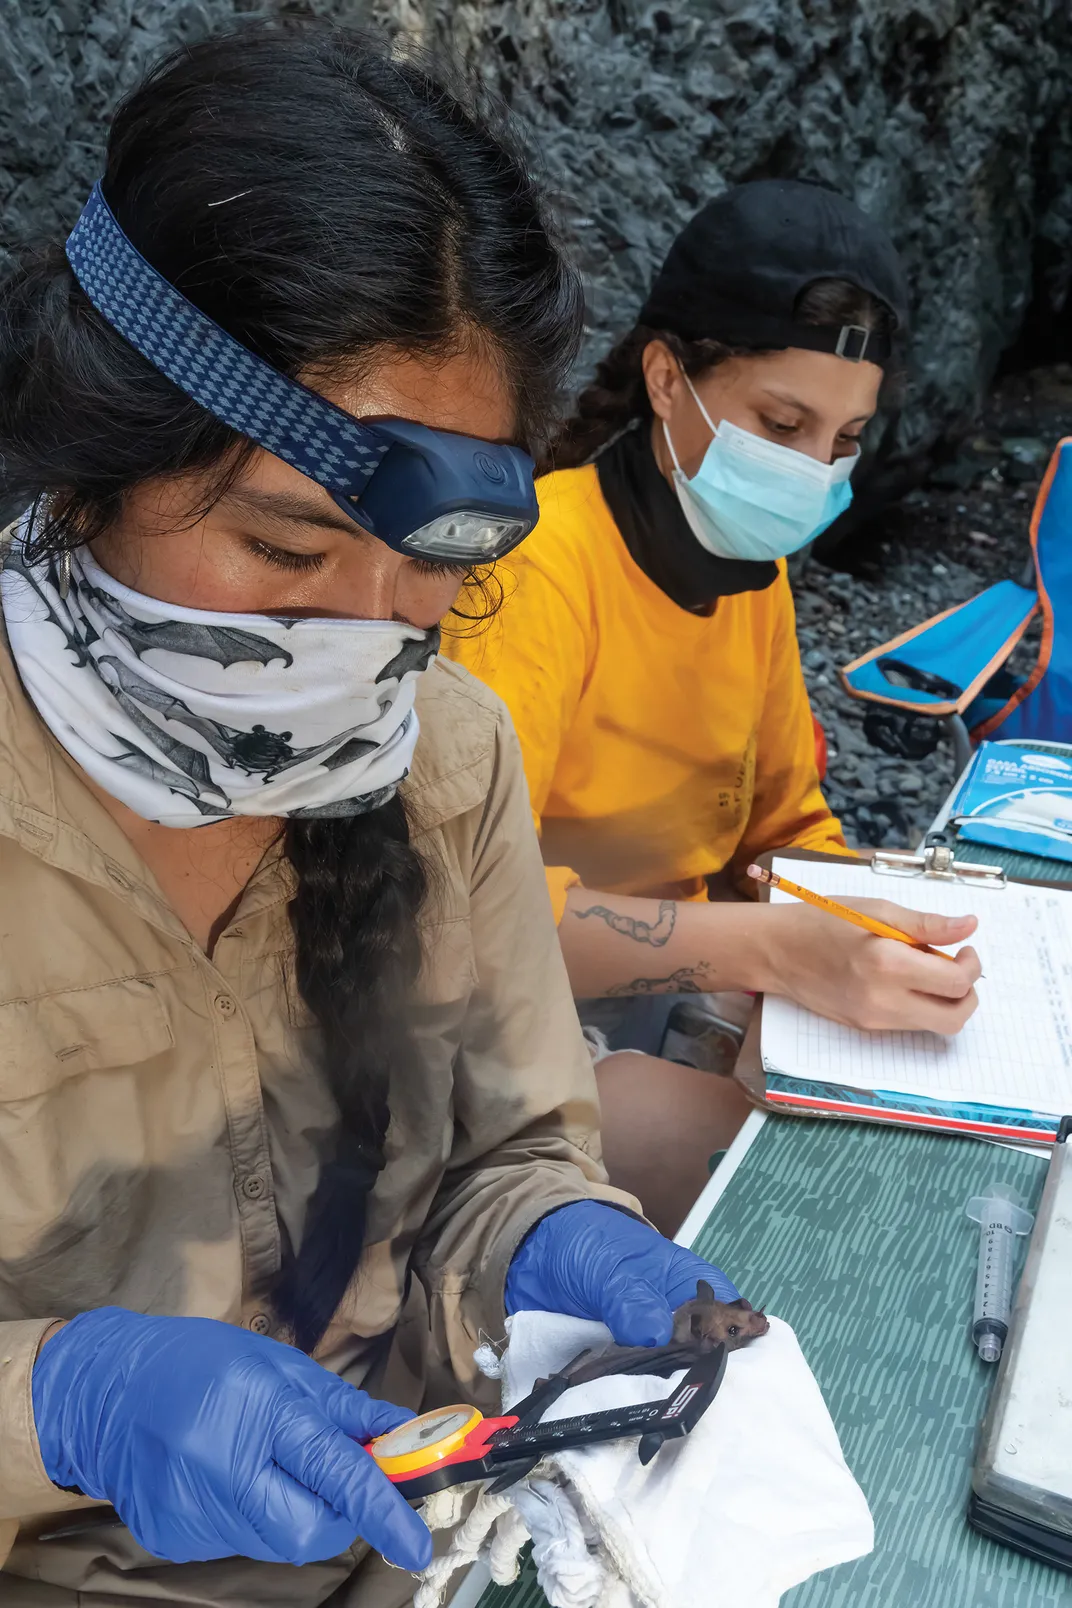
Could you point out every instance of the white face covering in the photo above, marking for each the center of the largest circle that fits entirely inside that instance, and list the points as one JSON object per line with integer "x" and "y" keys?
{"x": 189, "y": 717}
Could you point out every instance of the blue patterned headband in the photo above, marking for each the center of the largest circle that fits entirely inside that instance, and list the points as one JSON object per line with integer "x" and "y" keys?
{"x": 430, "y": 493}
{"x": 217, "y": 371}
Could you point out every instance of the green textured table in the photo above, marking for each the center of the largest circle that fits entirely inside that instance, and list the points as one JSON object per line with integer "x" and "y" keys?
{"x": 857, "y": 1236}
{"x": 1021, "y": 867}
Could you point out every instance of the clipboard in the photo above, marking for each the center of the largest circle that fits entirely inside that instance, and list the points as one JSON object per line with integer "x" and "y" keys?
{"x": 749, "y": 1070}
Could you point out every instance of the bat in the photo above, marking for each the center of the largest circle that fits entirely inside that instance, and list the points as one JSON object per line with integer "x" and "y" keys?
{"x": 258, "y": 750}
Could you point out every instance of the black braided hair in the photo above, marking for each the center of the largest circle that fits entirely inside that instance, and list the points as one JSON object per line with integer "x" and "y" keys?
{"x": 329, "y": 202}
{"x": 360, "y": 885}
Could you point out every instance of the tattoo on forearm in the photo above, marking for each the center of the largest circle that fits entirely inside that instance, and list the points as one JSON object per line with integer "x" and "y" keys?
{"x": 686, "y": 980}
{"x": 655, "y": 933}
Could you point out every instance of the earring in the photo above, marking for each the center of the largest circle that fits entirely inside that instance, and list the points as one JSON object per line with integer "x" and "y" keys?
{"x": 65, "y": 572}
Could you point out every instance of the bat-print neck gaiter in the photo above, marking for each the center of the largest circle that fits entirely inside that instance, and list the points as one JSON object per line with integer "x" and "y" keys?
{"x": 188, "y": 717}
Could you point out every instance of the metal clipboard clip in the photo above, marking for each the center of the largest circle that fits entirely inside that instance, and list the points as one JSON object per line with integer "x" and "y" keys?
{"x": 935, "y": 859}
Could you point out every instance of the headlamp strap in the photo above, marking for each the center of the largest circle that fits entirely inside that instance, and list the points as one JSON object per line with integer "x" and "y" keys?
{"x": 210, "y": 366}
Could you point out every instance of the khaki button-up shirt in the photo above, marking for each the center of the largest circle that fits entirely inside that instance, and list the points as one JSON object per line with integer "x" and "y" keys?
{"x": 162, "y": 1113}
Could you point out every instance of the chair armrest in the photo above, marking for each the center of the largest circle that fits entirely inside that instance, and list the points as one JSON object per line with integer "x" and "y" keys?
{"x": 938, "y": 667}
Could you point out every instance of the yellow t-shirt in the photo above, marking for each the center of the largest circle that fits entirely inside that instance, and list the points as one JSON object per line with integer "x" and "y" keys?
{"x": 660, "y": 746}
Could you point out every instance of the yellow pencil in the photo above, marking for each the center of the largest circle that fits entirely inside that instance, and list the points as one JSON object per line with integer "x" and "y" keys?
{"x": 880, "y": 928}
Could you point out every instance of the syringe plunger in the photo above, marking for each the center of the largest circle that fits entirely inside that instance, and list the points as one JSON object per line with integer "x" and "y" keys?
{"x": 989, "y": 1347}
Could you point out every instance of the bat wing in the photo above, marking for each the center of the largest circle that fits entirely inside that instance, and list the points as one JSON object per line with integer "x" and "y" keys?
{"x": 189, "y": 760}
{"x": 176, "y": 782}
{"x": 224, "y": 644}
{"x": 133, "y": 693}
{"x": 165, "y": 703}
{"x": 414, "y": 654}
{"x": 353, "y": 748}
{"x": 15, "y": 560}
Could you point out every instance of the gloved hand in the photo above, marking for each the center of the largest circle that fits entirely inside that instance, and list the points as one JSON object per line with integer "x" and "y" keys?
{"x": 211, "y": 1442}
{"x": 592, "y": 1261}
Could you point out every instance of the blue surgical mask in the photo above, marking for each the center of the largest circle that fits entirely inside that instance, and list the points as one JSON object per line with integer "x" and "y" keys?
{"x": 754, "y": 499}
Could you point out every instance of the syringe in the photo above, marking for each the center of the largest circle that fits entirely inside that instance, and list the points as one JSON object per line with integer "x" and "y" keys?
{"x": 1001, "y": 1217}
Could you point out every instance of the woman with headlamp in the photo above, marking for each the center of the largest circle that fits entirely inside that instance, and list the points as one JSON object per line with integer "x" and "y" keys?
{"x": 647, "y": 652}
{"x": 288, "y": 1059}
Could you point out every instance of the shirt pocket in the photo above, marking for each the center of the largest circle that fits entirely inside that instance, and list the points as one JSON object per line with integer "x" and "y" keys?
{"x": 45, "y": 1041}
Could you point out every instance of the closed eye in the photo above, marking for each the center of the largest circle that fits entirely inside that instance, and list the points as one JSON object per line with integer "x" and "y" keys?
{"x": 778, "y": 428}
{"x": 426, "y": 566}
{"x": 282, "y": 558}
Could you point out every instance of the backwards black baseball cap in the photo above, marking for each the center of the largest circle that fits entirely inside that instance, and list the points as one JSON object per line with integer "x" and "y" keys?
{"x": 735, "y": 272}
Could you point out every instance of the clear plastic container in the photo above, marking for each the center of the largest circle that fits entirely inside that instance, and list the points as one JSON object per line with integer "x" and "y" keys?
{"x": 1022, "y": 1480}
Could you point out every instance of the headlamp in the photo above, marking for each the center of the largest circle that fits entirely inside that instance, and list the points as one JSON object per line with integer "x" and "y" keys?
{"x": 426, "y": 493}
{"x": 450, "y": 498}
{"x": 468, "y": 535}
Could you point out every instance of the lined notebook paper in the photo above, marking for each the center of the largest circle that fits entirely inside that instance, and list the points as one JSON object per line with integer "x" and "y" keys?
{"x": 1015, "y": 1054}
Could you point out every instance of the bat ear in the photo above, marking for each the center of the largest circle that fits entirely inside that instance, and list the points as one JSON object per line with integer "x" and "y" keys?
{"x": 704, "y": 1292}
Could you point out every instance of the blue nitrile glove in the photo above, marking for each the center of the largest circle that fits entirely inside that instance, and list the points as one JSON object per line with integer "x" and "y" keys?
{"x": 210, "y": 1442}
{"x": 592, "y": 1261}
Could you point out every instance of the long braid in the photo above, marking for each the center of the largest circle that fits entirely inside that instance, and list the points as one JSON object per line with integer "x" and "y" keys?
{"x": 360, "y": 887}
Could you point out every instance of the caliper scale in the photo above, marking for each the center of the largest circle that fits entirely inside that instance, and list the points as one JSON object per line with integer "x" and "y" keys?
{"x": 456, "y": 1445}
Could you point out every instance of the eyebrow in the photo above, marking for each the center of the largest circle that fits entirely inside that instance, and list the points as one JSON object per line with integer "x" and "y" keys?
{"x": 792, "y": 402}
{"x": 290, "y": 507}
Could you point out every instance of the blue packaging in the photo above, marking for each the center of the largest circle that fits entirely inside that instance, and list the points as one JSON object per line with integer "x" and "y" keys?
{"x": 1017, "y": 796}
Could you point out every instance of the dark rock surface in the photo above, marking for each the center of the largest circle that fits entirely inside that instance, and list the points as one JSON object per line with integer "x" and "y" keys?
{"x": 947, "y": 118}
{"x": 951, "y": 119}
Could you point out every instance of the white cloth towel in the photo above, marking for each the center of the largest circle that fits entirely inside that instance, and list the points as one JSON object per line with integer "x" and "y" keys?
{"x": 757, "y": 1498}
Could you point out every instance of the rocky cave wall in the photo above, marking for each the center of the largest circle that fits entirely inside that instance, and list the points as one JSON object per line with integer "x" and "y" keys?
{"x": 950, "y": 119}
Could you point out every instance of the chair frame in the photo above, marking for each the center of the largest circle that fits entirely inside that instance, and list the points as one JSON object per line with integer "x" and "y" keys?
{"x": 950, "y": 712}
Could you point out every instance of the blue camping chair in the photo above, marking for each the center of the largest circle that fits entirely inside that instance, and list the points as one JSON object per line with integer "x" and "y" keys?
{"x": 951, "y": 668}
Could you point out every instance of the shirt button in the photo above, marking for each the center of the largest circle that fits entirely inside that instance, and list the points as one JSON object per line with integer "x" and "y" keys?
{"x": 225, "y": 1004}
{"x": 117, "y": 876}
{"x": 253, "y": 1187}
{"x": 260, "y": 1323}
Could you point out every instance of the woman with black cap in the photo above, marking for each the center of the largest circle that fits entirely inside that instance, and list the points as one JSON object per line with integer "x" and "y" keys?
{"x": 648, "y": 653}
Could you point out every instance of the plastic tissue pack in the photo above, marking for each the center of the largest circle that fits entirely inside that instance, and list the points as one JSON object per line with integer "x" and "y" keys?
{"x": 1017, "y": 796}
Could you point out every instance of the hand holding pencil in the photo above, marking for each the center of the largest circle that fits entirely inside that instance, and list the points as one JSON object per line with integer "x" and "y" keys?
{"x": 825, "y": 957}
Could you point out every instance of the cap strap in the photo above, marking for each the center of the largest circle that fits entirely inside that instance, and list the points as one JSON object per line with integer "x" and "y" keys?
{"x": 736, "y": 324}
{"x": 852, "y": 342}
{"x": 210, "y": 366}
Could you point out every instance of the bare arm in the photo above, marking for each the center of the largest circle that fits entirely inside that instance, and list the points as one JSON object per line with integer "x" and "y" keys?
{"x": 614, "y": 945}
